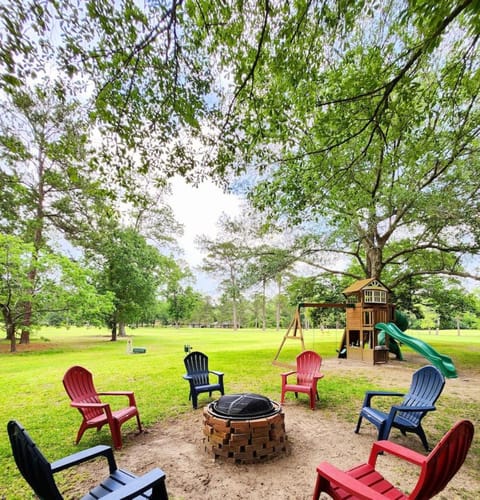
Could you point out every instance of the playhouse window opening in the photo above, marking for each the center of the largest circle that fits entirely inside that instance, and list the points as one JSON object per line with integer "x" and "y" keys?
{"x": 375, "y": 296}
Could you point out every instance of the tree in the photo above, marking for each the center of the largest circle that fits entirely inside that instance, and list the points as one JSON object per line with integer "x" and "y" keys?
{"x": 267, "y": 264}
{"x": 204, "y": 312}
{"x": 361, "y": 118}
{"x": 153, "y": 68}
{"x": 141, "y": 71}
{"x": 227, "y": 257}
{"x": 448, "y": 300}
{"x": 60, "y": 286}
{"x": 132, "y": 271}
{"x": 181, "y": 299}
{"x": 373, "y": 146}
{"x": 50, "y": 189}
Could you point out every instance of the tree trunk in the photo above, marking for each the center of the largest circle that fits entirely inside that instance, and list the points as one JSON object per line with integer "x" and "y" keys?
{"x": 9, "y": 326}
{"x": 27, "y": 321}
{"x": 37, "y": 245}
{"x": 374, "y": 262}
{"x": 234, "y": 313}
{"x": 264, "y": 306}
{"x": 234, "y": 300}
{"x": 279, "y": 290}
{"x": 114, "y": 331}
{"x": 121, "y": 329}
{"x": 11, "y": 333}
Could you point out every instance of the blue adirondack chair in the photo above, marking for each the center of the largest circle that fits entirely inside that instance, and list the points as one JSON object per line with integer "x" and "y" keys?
{"x": 427, "y": 385}
{"x": 198, "y": 376}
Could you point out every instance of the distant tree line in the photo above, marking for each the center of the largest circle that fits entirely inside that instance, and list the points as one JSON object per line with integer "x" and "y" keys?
{"x": 351, "y": 130}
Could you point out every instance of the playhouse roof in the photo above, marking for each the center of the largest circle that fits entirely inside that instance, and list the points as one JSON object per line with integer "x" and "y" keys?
{"x": 360, "y": 284}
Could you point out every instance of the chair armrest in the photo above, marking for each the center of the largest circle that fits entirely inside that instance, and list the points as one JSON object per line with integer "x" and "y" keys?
{"x": 397, "y": 408}
{"x": 80, "y": 404}
{"x": 348, "y": 483}
{"x": 219, "y": 374}
{"x": 138, "y": 485}
{"x": 129, "y": 394}
{"x": 370, "y": 394}
{"x": 397, "y": 450}
{"x": 84, "y": 456}
{"x": 103, "y": 406}
{"x": 318, "y": 377}
{"x": 188, "y": 377}
{"x": 286, "y": 375}
{"x": 115, "y": 393}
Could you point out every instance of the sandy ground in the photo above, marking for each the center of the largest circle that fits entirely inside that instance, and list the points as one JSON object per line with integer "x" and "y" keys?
{"x": 177, "y": 447}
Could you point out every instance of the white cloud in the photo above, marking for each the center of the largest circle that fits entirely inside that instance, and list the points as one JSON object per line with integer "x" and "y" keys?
{"x": 198, "y": 209}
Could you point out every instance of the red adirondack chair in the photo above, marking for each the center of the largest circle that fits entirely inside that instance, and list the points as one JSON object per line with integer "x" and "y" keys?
{"x": 365, "y": 482}
{"x": 78, "y": 383}
{"x": 307, "y": 376}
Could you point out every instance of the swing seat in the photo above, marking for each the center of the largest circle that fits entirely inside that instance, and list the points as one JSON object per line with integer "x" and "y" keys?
{"x": 307, "y": 373}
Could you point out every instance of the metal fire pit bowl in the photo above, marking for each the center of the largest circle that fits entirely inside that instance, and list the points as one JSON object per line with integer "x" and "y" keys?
{"x": 246, "y": 406}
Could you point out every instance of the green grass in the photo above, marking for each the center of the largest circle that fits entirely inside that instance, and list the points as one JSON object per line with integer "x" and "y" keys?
{"x": 31, "y": 389}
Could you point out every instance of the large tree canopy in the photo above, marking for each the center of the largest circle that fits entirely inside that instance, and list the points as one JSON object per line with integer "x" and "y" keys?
{"x": 138, "y": 69}
{"x": 364, "y": 123}
{"x": 361, "y": 117}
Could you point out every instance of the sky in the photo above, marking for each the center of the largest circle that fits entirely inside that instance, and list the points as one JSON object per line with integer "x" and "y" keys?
{"x": 198, "y": 209}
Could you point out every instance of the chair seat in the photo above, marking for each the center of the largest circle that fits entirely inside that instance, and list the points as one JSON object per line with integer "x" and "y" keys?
{"x": 376, "y": 417}
{"x": 367, "y": 475}
{"x": 207, "y": 387}
{"x": 118, "y": 479}
{"x": 125, "y": 413}
{"x": 298, "y": 388}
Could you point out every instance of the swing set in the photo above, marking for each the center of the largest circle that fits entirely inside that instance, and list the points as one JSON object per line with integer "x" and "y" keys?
{"x": 295, "y": 330}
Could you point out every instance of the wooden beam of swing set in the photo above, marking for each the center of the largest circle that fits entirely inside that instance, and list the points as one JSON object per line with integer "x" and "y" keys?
{"x": 296, "y": 325}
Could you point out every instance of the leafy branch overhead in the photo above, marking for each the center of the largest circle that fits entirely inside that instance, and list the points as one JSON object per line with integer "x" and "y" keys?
{"x": 356, "y": 123}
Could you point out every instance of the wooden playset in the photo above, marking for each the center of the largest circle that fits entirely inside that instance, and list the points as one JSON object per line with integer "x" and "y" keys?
{"x": 371, "y": 305}
{"x": 367, "y": 303}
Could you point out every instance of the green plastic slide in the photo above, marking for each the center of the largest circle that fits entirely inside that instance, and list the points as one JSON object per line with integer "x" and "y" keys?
{"x": 442, "y": 362}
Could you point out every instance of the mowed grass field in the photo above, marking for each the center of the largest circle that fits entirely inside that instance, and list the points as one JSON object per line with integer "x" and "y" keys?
{"x": 31, "y": 389}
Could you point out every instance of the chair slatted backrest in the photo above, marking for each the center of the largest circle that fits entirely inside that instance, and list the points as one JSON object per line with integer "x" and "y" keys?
{"x": 31, "y": 463}
{"x": 444, "y": 460}
{"x": 308, "y": 365}
{"x": 196, "y": 364}
{"x": 78, "y": 383}
{"x": 426, "y": 386}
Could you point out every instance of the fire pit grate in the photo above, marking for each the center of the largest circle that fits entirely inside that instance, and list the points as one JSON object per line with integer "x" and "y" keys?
{"x": 244, "y": 406}
{"x": 244, "y": 428}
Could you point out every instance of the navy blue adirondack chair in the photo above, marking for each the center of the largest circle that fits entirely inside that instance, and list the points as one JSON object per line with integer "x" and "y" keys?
{"x": 198, "y": 376}
{"x": 38, "y": 472}
{"x": 427, "y": 385}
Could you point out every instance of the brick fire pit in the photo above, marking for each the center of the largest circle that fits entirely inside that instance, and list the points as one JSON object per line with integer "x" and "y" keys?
{"x": 244, "y": 429}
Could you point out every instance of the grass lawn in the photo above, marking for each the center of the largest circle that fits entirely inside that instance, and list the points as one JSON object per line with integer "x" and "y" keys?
{"x": 31, "y": 389}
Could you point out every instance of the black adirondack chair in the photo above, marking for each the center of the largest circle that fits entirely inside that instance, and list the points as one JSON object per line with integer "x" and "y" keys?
{"x": 427, "y": 385}
{"x": 120, "y": 484}
{"x": 198, "y": 376}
